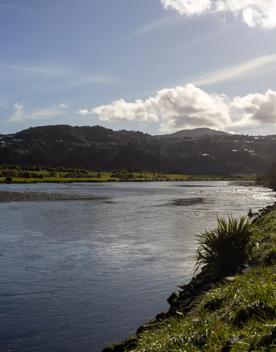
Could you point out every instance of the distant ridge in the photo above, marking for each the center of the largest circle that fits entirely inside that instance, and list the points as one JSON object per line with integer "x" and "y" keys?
{"x": 196, "y": 133}
{"x": 199, "y": 151}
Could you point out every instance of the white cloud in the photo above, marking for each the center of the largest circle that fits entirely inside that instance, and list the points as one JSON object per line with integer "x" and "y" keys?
{"x": 236, "y": 71}
{"x": 254, "y": 109}
{"x": 188, "y": 7}
{"x": 190, "y": 107}
{"x": 175, "y": 108}
{"x": 18, "y": 112}
{"x": 63, "y": 106}
{"x": 21, "y": 114}
{"x": 84, "y": 112}
{"x": 255, "y": 13}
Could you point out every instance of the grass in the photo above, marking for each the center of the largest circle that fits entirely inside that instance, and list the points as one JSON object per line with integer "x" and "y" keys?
{"x": 20, "y": 175}
{"x": 237, "y": 315}
{"x": 246, "y": 312}
{"x": 105, "y": 177}
{"x": 58, "y": 179}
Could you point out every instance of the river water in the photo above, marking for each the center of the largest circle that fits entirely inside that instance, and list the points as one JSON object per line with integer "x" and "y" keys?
{"x": 79, "y": 275}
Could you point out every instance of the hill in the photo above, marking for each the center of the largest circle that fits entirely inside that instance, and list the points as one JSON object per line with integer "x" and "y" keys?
{"x": 195, "y": 133}
{"x": 200, "y": 151}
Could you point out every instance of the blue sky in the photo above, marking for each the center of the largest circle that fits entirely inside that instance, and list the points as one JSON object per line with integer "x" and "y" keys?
{"x": 150, "y": 65}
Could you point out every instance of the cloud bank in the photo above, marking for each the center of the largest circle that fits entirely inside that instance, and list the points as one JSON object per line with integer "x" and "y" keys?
{"x": 190, "y": 107}
{"x": 254, "y": 13}
{"x": 255, "y": 109}
{"x": 174, "y": 108}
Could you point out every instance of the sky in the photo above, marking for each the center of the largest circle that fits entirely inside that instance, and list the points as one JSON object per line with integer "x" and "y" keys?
{"x": 157, "y": 66}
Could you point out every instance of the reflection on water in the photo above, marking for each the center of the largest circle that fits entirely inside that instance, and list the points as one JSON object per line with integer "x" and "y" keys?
{"x": 76, "y": 276}
{"x": 186, "y": 201}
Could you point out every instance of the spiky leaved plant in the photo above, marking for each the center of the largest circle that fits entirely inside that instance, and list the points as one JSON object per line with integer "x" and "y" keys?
{"x": 227, "y": 248}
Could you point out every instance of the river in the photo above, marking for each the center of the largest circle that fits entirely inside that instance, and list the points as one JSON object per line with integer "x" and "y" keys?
{"x": 77, "y": 275}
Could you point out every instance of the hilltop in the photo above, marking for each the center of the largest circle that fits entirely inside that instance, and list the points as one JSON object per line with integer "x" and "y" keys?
{"x": 195, "y": 133}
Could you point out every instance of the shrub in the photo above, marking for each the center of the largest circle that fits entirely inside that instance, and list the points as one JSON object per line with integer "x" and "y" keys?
{"x": 227, "y": 248}
{"x": 269, "y": 179}
{"x": 214, "y": 304}
{"x": 268, "y": 339}
{"x": 255, "y": 310}
{"x": 8, "y": 179}
{"x": 269, "y": 257}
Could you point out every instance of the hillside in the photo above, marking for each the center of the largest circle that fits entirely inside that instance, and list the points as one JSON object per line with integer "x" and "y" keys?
{"x": 200, "y": 151}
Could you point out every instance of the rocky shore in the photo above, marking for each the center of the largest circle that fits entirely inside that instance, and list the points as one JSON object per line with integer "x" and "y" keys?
{"x": 257, "y": 216}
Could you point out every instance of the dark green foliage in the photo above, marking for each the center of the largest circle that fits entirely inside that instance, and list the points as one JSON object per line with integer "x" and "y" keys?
{"x": 9, "y": 173}
{"x": 269, "y": 257}
{"x": 8, "y": 179}
{"x": 271, "y": 177}
{"x": 227, "y": 248}
{"x": 268, "y": 339}
{"x": 214, "y": 304}
{"x": 255, "y": 310}
{"x": 194, "y": 152}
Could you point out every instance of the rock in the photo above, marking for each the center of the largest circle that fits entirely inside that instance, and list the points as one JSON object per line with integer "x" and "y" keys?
{"x": 229, "y": 344}
{"x": 246, "y": 269}
{"x": 173, "y": 298}
{"x": 180, "y": 314}
{"x": 128, "y": 344}
{"x": 230, "y": 279}
{"x": 142, "y": 329}
{"x": 161, "y": 316}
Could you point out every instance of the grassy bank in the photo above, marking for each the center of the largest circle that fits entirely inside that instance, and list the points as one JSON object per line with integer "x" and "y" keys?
{"x": 37, "y": 174}
{"x": 237, "y": 313}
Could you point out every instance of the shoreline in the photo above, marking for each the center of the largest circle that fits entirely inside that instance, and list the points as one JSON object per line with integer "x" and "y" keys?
{"x": 184, "y": 301}
{"x": 237, "y": 182}
{"x": 146, "y": 177}
{"x": 26, "y": 196}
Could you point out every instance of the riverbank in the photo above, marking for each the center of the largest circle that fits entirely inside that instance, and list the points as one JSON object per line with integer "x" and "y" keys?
{"x": 165, "y": 178}
{"x": 36, "y": 174}
{"x": 208, "y": 314}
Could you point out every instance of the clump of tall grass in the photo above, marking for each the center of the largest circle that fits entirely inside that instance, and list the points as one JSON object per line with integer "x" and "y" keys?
{"x": 224, "y": 250}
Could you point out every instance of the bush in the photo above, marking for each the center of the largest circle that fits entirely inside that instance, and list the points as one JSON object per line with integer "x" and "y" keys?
{"x": 8, "y": 179}
{"x": 270, "y": 177}
{"x": 225, "y": 250}
{"x": 257, "y": 310}
{"x": 269, "y": 257}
